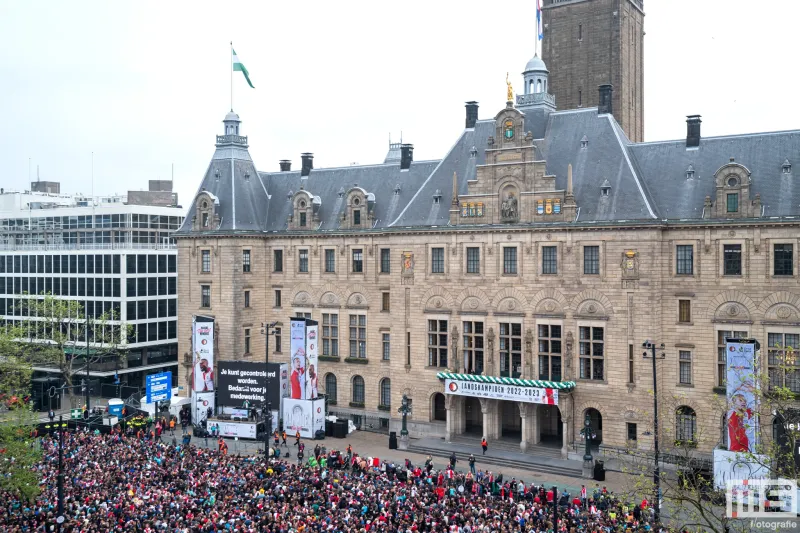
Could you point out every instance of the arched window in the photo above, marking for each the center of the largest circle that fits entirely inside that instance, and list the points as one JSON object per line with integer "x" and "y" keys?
{"x": 386, "y": 392}
{"x": 685, "y": 426}
{"x": 330, "y": 386}
{"x": 439, "y": 410}
{"x": 358, "y": 389}
{"x": 539, "y": 86}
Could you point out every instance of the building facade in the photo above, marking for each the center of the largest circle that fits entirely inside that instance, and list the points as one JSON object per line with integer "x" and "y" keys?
{"x": 544, "y": 248}
{"x": 588, "y": 43}
{"x": 109, "y": 256}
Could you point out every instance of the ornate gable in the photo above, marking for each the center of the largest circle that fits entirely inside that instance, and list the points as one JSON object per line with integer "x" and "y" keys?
{"x": 206, "y": 212}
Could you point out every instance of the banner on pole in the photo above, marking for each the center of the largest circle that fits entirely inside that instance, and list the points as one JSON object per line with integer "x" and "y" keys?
{"x": 741, "y": 387}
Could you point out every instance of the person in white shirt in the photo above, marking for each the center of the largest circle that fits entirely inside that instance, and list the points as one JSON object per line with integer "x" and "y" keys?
{"x": 203, "y": 376}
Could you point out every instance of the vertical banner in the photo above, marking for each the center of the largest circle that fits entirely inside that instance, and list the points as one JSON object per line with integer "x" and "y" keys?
{"x": 201, "y": 379}
{"x": 298, "y": 416}
{"x": 297, "y": 347}
{"x": 312, "y": 361}
{"x": 742, "y": 420}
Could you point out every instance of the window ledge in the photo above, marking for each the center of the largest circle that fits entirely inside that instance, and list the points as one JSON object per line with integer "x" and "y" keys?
{"x": 720, "y": 390}
{"x": 679, "y": 323}
{"x": 277, "y": 353}
{"x": 596, "y": 381}
{"x": 329, "y": 358}
{"x": 356, "y": 360}
{"x": 685, "y": 385}
{"x": 731, "y": 275}
{"x": 358, "y": 405}
{"x": 684, "y": 275}
{"x": 386, "y": 361}
{"x": 331, "y": 402}
{"x": 437, "y": 368}
{"x": 782, "y": 276}
{"x": 384, "y": 408}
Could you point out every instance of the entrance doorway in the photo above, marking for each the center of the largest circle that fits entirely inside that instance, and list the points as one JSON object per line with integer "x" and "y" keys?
{"x": 473, "y": 416}
{"x": 510, "y": 420}
{"x": 551, "y": 430}
{"x": 596, "y": 420}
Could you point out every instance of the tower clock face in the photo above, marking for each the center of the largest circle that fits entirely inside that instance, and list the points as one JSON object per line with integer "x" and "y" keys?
{"x": 509, "y": 129}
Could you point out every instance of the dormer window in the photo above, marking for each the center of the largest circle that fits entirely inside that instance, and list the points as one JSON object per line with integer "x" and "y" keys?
{"x": 356, "y": 201}
{"x": 689, "y": 172}
{"x": 397, "y": 189}
{"x": 205, "y": 205}
{"x": 584, "y": 143}
{"x": 787, "y": 167}
{"x": 205, "y": 217}
{"x": 733, "y": 203}
{"x": 302, "y": 219}
{"x": 605, "y": 188}
{"x": 356, "y": 215}
{"x": 437, "y": 196}
{"x": 732, "y": 182}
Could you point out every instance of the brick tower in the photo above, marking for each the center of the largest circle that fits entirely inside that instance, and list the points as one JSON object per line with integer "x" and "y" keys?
{"x": 588, "y": 43}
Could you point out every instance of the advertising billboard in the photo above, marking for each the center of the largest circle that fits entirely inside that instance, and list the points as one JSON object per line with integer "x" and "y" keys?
{"x": 297, "y": 347}
{"x": 255, "y": 383}
{"x": 158, "y": 387}
{"x": 243, "y": 430}
{"x": 501, "y": 391}
{"x": 305, "y": 416}
{"x": 312, "y": 361}
{"x": 202, "y": 379}
{"x": 741, "y": 384}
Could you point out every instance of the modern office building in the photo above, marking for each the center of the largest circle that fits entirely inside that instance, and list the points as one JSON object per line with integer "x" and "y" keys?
{"x": 106, "y": 253}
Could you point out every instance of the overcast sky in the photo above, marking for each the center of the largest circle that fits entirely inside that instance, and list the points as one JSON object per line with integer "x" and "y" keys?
{"x": 146, "y": 84}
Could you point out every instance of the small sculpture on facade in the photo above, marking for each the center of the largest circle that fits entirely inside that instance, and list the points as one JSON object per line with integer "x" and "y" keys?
{"x": 508, "y": 209}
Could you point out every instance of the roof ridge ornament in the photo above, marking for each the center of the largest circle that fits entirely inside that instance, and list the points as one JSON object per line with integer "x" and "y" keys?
{"x": 509, "y": 91}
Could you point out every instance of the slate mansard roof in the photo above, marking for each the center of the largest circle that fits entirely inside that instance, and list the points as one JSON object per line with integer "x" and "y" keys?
{"x": 648, "y": 181}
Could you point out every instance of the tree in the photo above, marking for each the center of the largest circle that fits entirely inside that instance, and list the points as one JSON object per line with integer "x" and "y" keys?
{"x": 691, "y": 502}
{"x": 59, "y": 335}
{"x": 18, "y": 454}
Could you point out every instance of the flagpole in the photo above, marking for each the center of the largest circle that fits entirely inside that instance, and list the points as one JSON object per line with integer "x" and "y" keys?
{"x": 231, "y": 76}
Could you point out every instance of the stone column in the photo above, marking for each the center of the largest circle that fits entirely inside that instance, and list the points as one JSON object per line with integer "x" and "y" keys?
{"x": 524, "y": 413}
{"x": 533, "y": 416}
{"x": 497, "y": 419}
{"x": 565, "y": 424}
{"x": 452, "y": 417}
{"x": 487, "y": 419}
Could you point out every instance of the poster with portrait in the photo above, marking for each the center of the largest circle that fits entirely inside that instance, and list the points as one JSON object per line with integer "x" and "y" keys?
{"x": 312, "y": 360}
{"x": 297, "y": 367}
{"x": 741, "y": 385}
{"x": 202, "y": 374}
{"x": 297, "y": 416}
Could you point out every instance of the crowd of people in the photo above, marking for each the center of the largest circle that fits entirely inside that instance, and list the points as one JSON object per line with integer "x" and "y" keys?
{"x": 136, "y": 483}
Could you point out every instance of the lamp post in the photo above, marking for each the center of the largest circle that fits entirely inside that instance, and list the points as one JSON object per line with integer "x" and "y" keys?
{"x": 267, "y": 330}
{"x": 587, "y": 436}
{"x": 404, "y": 410}
{"x": 656, "y": 470}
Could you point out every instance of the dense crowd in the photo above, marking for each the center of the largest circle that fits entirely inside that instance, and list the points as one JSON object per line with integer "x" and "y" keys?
{"x": 134, "y": 483}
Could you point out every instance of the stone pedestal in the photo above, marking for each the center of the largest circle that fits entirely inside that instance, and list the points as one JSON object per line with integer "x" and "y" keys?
{"x": 402, "y": 442}
{"x": 588, "y": 469}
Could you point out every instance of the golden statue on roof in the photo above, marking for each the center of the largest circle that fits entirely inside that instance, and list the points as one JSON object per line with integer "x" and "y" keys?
{"x": 510, "y": 90}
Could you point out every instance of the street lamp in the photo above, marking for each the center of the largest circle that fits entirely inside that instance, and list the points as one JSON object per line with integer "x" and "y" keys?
{"x": 587, "y": 436}
{"x": 267, "y": 330}
{"x": 647, "y": 345}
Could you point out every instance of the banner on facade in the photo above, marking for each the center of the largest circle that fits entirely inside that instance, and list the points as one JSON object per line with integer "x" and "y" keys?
{"x": 312, "y": 361}
{"x": 243, "y": 430}
{"x": 202, "y": 379}
{"x": 741, "y": 385}
{"x": 500, "y": 391}
{"x": 297, "y": 347}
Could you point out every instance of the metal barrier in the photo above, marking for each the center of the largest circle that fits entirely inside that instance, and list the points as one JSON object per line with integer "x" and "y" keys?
{"x": 366, "y": 422}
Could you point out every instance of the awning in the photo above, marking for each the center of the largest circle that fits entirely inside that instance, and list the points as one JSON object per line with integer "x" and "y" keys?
{"x": 560, "y": 385}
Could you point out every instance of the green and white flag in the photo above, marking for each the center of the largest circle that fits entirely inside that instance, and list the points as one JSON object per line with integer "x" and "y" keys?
{"x": 238, "y": 66}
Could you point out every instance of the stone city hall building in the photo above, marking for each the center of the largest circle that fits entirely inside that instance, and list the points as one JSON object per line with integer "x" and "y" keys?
{"x": 543, "y": 248}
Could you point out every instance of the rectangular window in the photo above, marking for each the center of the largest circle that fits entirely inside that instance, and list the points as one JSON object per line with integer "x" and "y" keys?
{"x": 632, "y": 431}
{"x": 386, "y": 262}
{"x": 591, "y": 351}
{"x": 580, "y": 98}
{"x": 473, "y": 347}
{"x": 302, "y": 219}
{"x": 473, "y": 260}
{"x": 733, "y": 202}
{"x": 437, "y": 260}
{"x": 358, "y": 260}
{"x": 387, "y": 349}
{"x": 330, "y": 260}
{"x": 783, "y": 264}
{"x": 277, "y": 297}
{"x": 330, "y": 334}
{"x": 510, "y": 260}
{"x": 684, "y": 311}
{"x": 549, "y": 352}
{"x": 510, "y": 350}
{"x": 247, "y": 298}
{"x": 783, "y": 364}
{"x": 246, "y": 341}
{"x": 408, "y": 349}
{"x": 732, "y": 256}
{"x": 357, "y": 217}
{"x": 205, "y": 295}
{"x": 385, "y": 296}
{"x": 437, "y": 343}
{"x": 549, "y": 260}
{"x": 580, "y": 32}
{"x": 245, "y": 260}
{"x": 277, "y": 260}
{"x": 591, "y": 260}
{"x": 277, "y": 336}
{"x": 685, "y": 259}
{"x": 630, "y": 363}
{"x": 358, "y": 336}
{"x": 206, "y": 260}
{"x": 302, "y": 261}
{"x": 722, "y": 358}
{"x": 685, "y": 370}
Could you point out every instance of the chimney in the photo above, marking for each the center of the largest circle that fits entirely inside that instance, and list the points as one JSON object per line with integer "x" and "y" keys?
{"x": 605, "y": 106}
{"x": 308, "y": 163}
{"x": 693, "y": 131}
{"x": 472, "y": 113}
{"x": 406, "y": 156}
{"x": 286, "y": 165}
